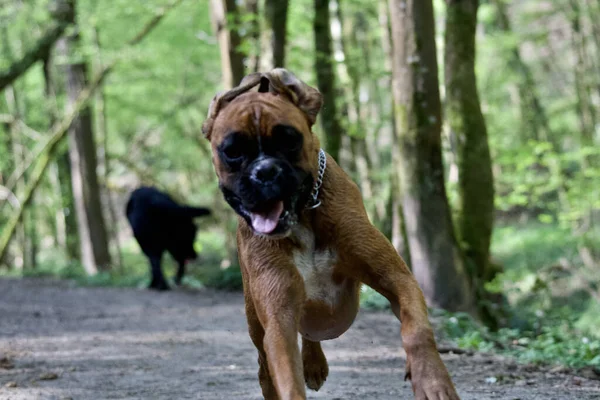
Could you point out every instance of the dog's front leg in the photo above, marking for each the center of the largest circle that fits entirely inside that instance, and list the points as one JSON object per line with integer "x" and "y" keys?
{"x": 257, "y": 334}
{"x": 278, "y": 296}
{"x": 373, "y": 260}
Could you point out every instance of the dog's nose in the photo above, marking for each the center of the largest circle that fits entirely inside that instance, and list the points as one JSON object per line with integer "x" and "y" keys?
{"x": 266, "y": 171}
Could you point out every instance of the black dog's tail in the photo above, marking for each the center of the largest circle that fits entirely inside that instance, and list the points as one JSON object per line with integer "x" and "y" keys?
{"x": 196, "y": 211}
{"x": 129, "y": 207}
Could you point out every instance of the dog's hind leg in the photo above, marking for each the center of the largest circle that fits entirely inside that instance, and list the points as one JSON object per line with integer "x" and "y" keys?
{"x": 315, "y": 364}
{"x": 180, "y": 272}
{"x": 158, "y": 280}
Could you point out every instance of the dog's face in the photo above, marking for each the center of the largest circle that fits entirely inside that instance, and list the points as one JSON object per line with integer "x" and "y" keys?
{"x": 266, "y": 158}
{"x": 263, "y": 151}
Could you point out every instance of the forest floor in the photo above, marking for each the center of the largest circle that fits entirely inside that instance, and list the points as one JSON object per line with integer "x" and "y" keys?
{"x": 59, "y": 341}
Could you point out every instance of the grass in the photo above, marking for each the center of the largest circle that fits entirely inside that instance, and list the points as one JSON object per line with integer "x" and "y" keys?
{"x": 555, "y": 342}
{"x": 554, "y": 317}
{"x": 543, "y": 274}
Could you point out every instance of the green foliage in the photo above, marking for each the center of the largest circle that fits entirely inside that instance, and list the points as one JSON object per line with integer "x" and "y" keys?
{"x": 556, "y": 342}
{"x": 229, "y": 278}
{"x": 371, "y": 300}
{"x": 546, "y": 282}
{"x": 206, "y": 272}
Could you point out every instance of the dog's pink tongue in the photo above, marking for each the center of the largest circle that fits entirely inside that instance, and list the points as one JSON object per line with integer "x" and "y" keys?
{"x": 267, "y": 222}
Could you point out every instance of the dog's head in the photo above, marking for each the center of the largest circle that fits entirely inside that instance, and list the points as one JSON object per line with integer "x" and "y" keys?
{"x": 264, "y": 152}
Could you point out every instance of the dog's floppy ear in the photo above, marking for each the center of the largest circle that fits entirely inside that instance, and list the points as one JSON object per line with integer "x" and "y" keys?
{"x": 305, "y": 97}
{"x": 279, "y": 81}
{"x": 223, "y": 98}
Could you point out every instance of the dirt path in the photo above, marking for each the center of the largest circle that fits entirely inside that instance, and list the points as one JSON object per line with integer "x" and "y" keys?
{"x": 64, "y": 342}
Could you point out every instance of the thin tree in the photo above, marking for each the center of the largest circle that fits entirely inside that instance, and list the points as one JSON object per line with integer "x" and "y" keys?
{"x": 274, "y": 34}
{"x": 232, "y": 67}
{"x": 475, "y": 214}
{"x": 586, "y": 110}
{"x": 91, "y": 224}
{"x": 437, "y": 262}
{"x": 332, "y": 131}
{"x": 232, "y": 59}
{"x": 534, "y": 121}
{"x": 105, "y": 161}
{"x": 253, "y": 34}
{"x": 68, "y": 220}
{"x": 348, "y": 71}
{"x": 16, "y": 159}
{"x": 396, "y": 228}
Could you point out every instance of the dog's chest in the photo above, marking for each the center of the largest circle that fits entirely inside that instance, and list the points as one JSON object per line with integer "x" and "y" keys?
{"x": 316, "y": 268}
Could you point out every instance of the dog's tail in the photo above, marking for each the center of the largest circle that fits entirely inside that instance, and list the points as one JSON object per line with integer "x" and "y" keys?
{"x": 194, "y": 212}
{"x": 129, "y": 207}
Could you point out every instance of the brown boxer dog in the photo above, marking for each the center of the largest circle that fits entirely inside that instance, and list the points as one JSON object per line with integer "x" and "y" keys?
{"x": 305, "y": 242}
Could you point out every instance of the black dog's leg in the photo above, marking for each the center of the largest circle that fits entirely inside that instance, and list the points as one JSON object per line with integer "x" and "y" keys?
{"x": 158, "y": 280}
{"x": 180, "y": 272}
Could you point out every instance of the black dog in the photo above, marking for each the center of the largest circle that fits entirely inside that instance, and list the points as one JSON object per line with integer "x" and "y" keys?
{"x": 159, "y": 224}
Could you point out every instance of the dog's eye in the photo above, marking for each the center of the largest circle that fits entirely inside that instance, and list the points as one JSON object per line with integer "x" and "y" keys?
{"x": 233, "y": 152}
{"x": 235, "y": 148}
{"x": 287, "y": 138}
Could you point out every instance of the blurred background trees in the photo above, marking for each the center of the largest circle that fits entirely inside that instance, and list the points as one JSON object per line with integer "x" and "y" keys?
{"x": 471, "y": 127}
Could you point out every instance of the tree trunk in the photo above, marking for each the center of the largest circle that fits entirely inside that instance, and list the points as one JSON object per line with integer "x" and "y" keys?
{"x": 396, "y": 228}
{"x": 105, "y": 159}
{"x": 585, "y": 105}
{"x": 534, "y": 121}
{"x": 332, "y": 131}
{"x": 68, "y": 202}
{"x": 60, "y": 228}
{"x": 68, "y": 237}
{"x": 350, "y": 81}
{"x": 437, "y": 262}
{"x": 232, "y": 60}
{"x": 358, "y": 32}
{"x": 17, "y": 160}
{"x": 593, "y": 13}
{"x": 232, "y": 67}
{"x": 274, "y": 34}
{"x": 253, "y": 34}
{"x": 463, "y": 111}
{"x": 93, "y": 238}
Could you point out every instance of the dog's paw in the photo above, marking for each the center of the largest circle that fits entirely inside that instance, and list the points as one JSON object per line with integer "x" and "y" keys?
{"x": 161, "y": 286}
{"x": 315, "y": 365}
{"x": 315, "y": 375}
{"x": 430, "y": 379}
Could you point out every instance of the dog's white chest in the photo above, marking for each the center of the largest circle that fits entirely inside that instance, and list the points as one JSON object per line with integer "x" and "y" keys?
{"x": 316, "y": 268}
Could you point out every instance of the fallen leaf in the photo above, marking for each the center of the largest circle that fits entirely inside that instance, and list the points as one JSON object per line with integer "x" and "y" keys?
{"x": 48, "y": 376}
{"x": 6, "y": 363}
{"x": 589, "y": 373}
